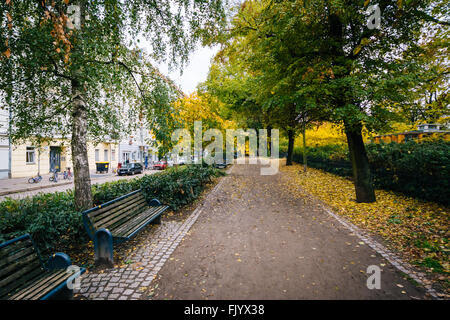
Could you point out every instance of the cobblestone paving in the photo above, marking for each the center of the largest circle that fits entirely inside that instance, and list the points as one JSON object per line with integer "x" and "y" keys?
{"x": 130, "y": 282}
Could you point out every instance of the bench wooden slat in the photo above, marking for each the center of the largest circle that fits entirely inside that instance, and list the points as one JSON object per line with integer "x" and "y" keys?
{"x": 121, "y": 218}
{"x": 126, "y": 204}
{"x": 20, "y": 273}
{"x": 127, "y": 220}
{"x": 123, "y": 227}
{"x": 21, "y": 278}
{"x": 10, "y": 264}
{"x": 121, "y": 214}
{"x": 42, "y": 286}
{"x": 140, "y": 220}
{"x": 117, "y": 211}
{"x": 15, "y": 255}
{"x": 95, "y": 213}
{"x": 16, "y": 246}
{"x": 19, "y": 264}
{"x": 137, "y": 226}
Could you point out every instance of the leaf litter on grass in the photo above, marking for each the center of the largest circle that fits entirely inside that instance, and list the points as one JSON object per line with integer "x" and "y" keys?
{"x": 419, "y": 230}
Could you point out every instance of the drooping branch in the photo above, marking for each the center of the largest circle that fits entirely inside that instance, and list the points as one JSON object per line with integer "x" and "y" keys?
{"x": 429, "y": 18}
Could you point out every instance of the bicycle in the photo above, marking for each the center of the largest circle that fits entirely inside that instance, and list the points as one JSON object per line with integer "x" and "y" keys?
{"x": 67, "y": 174}
{"x": 36, "y": 179}
{"x": 54, "y": 178}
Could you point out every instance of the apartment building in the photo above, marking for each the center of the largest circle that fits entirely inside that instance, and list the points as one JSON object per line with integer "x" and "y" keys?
{"x": 28, "y": 159}
{"x": 137, "y": 147}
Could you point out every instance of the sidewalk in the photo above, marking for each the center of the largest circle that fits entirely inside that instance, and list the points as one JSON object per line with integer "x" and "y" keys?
{"x": 19, "y": 187}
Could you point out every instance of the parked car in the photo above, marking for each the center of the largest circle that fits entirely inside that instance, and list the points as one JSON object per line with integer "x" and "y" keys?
{"x": 130, "y": 169}
{"x": 183, "y": 161}
{"x": 160, "y": 165}
{"x": 221, "y": 164}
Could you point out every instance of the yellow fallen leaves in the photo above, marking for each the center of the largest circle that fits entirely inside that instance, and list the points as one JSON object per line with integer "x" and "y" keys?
{"x": 418, "y": 229}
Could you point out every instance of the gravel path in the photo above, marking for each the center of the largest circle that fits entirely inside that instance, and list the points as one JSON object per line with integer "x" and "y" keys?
{"x": 253, "y": 241}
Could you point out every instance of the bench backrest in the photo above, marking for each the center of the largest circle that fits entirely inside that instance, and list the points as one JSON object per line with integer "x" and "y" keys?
{"x": 116, "y": 212}
{"x": 19, "y": 264}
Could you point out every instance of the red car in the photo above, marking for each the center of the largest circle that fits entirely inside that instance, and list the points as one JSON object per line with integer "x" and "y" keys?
{"x": 160, "y": 165}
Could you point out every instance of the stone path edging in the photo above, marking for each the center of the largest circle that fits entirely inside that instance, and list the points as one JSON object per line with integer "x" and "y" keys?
{"x": 126, "y": 283}
{"x": 383, "y": 251}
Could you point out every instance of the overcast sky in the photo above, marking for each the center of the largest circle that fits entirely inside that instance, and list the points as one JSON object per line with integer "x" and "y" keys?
{"x": 195, "y": 72}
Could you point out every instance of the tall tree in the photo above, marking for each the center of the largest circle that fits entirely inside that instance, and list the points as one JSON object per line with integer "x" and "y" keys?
{"x": 69, "y": 67}
{"x": 344, "y": 62}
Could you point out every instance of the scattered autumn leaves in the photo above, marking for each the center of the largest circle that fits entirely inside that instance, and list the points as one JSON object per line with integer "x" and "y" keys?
{"x": 417, "y": 229}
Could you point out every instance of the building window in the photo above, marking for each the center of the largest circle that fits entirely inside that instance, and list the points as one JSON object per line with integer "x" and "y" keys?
{"x": 97, "y": 155}
{"x": 113, "y": 155}
{"x": 133, "y": 156}
{"x": 106, "y": 155}
{"x": 30, "y": 155}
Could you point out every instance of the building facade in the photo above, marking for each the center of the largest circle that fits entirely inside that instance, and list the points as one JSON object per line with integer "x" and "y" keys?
{"x": 423, "y": 131}
{"x": 137, "y": 148}
{"x": 29, "y": 159}
{"x": 4, "y": 144}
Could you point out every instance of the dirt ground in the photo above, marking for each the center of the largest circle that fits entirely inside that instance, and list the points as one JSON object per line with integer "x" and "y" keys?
{"x": 253, "y": 241}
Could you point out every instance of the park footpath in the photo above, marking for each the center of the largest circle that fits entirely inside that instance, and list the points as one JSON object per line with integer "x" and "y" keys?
{"x": 250, "y": 239}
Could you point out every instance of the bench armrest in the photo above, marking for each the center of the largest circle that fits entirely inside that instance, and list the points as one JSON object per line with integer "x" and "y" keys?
{"x": 154, "y": 203}
{"x": 58, "y": 260}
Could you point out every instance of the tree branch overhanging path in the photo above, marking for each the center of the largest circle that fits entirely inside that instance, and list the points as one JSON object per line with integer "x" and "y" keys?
{"x": 295, "y": 57}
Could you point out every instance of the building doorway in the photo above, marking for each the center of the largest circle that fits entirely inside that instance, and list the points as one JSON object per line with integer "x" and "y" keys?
{"x": 55, "y": 159}
{"x": 126, "y": 157}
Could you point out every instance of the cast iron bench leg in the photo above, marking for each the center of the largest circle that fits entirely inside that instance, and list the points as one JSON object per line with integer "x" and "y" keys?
{"x": 157, "y": 220}
{"x": 103, "y": 247}
{"x": 155, "y": 203}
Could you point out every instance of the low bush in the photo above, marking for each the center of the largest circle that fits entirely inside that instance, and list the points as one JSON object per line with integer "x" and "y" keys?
{"x": 53, "y": 222}
{"x": 180, "y": 186}
{"x": 420, "y": 170}
{"x": 50, "y": 218}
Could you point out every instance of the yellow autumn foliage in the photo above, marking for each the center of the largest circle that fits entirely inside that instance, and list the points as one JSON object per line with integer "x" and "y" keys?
{"x": 203, "y": 108}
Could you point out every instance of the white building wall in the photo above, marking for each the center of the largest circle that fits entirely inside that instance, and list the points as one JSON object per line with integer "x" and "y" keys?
{"x": 131, "y": 148}
{"x": 4, "y": 143}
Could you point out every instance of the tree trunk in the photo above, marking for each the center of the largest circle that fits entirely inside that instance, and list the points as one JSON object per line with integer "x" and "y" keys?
{"x": 257, "y": 142}
{"x": 360, "y": 164}
{"x": 291, "y": 138}
{"x": 305, "y": 157}
{"x": 269, "y": 141}
{"x": 82, "y": 179}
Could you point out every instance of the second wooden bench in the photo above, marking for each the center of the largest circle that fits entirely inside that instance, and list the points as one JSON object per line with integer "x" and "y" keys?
{"x": 118, "y": 220}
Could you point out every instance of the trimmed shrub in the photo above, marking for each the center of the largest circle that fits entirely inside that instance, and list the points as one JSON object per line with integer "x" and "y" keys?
{"x": 53, "y": 222}
{"x": 421, "y": 170}
{"x": 107, "y": 191}
{"x": 51, "y": 219}
{"x": 179, "y": 186}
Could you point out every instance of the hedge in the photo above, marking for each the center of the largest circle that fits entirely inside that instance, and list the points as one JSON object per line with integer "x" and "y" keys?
{"x": 53, "y": 222}
{"x": 421, "y": 170}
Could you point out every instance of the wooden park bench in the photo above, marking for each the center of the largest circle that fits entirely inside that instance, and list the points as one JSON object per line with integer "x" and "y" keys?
{"x": 24, "y": 276}
{"x": 119, "y": 220}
